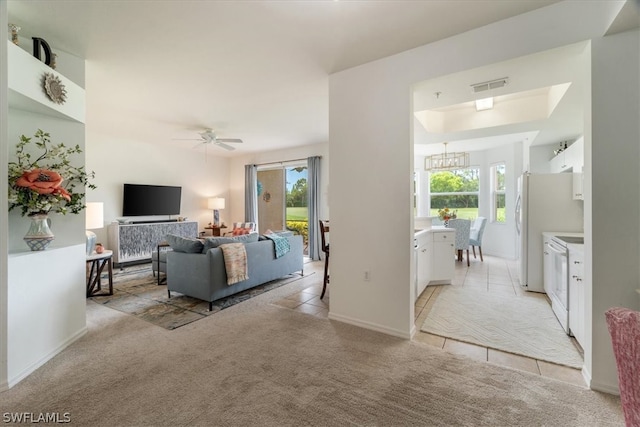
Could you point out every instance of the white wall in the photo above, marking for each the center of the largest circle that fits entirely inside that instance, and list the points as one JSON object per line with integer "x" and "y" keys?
{"x": 236, "y": 175}
{"x": 48, "y": 284}
{"x": 539, "y": 156}
{"x": 117, "y": 161}
{"x": 4, "y": 217}
{"x": 28, "y": 341}
{"x": 369, "y": 114}
{"x": 612, "y": 161}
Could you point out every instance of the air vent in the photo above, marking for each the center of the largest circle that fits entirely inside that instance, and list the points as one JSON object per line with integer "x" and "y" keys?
{"x": 493, "y": 84}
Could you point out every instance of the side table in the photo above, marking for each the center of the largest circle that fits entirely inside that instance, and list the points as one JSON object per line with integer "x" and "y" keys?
{"x": 215, "y": 231}
{"x": 95, "y": 265}
{"x": 159, "y": 262}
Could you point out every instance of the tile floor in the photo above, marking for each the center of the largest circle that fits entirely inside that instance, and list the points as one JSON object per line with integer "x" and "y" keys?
{"x": 495, "y": 275}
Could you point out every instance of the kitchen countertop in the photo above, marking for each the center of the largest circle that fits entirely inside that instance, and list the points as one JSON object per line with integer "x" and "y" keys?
{"x": 563, "y": 233}
{"x": 434, "y": 229}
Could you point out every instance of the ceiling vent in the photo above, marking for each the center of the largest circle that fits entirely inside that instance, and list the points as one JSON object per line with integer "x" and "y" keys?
{"x": 493, "y": 84}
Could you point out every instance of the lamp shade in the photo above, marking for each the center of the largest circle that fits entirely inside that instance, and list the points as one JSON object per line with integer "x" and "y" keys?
{"x": 94, "y": 215}
{"x": 216, "y": 203}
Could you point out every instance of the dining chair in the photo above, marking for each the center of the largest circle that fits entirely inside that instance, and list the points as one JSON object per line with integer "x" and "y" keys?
{"x": 324, "y": 229}
{"x": 240, "y": 228}
{"x": 463, "y": 230}
{"x": 624, "y": 328}
{"x": 475, "y": 237}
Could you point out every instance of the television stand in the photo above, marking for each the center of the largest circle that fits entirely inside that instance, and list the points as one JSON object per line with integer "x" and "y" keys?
{"x": 136, "y": 242}
{"x": 154, "y": 221}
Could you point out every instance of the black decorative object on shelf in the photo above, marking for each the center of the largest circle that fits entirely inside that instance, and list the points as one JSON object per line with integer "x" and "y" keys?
{"x": 41, "y": 44}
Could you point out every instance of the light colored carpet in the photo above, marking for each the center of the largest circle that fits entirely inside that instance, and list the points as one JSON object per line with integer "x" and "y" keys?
{"x": 259, "y": 364}
{"x": 522, "y": 325}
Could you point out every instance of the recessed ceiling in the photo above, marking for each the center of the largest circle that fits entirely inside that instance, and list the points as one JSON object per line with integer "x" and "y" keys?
{"x": 518, "y": 107}
{"x": 543, "y": 100}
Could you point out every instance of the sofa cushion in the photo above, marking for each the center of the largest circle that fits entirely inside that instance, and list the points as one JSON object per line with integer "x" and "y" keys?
{"x": 214, "y": 242}
{"x": 240, "y": 231}
{"x": 184, "y": 244}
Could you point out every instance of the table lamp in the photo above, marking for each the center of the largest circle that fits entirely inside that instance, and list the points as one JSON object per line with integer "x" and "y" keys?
{"x": 216, "y": 203}
{"x": 94, "y": 218}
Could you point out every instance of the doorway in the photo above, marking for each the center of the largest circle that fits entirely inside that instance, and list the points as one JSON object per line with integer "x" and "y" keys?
{"x": 282, "y": 199}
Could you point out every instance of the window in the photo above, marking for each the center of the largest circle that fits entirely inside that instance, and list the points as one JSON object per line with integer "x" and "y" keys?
{"x": 457, "y": 190}
{"x": 498, "y": 198}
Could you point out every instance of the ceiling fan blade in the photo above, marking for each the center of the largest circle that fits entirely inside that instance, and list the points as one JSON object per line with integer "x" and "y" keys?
{"x": 233, "y": 140}
{"x": 225, "y": 146}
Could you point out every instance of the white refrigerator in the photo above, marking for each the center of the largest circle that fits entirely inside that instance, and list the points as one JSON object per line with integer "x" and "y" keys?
{"x": 544, "y": 203}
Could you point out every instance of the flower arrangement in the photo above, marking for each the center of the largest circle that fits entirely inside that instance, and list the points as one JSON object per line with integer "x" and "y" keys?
{"x": 49, "y": 183}
{"x": 446, "y": 214}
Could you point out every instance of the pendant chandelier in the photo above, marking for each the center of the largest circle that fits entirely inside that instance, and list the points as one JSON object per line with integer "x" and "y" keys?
{"x": 446, "y": 161}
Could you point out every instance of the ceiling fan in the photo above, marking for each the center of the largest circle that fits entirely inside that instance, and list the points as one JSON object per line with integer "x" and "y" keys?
{"x": 209, "y": 137}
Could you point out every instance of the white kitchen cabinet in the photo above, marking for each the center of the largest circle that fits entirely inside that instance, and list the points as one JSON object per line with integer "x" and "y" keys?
{"x": 435, "y": 263}
{"x": 442, "y": 259}
{"x": 423, "y": 261}
{"x": 578, "y": 185}
{"x": 558, "y": 163}
{"x": 577, "y": 293}
{"x": 574, "y": 155}
{"x": 571, "y": 159}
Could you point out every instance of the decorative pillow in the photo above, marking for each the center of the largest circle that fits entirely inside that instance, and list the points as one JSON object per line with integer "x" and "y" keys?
{"x": 240, "y": 231}
{"x": 214, "y": 242}
{"x": 184, "y": 244}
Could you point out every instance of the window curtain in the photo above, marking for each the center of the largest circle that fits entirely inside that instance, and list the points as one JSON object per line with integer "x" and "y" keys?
{"x": 313, "y": 203}
{"x": 251, "y": 193}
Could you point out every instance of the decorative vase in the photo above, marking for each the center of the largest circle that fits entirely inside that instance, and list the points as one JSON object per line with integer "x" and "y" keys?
{"x": 39, "y": 235}
{"x": 14, "y": 33}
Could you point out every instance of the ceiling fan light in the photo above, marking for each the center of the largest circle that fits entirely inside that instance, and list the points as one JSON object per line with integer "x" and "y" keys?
{"x": 484, "y": 104}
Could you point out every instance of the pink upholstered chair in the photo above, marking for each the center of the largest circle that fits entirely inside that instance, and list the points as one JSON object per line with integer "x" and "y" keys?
{"x": 624, "y": 327}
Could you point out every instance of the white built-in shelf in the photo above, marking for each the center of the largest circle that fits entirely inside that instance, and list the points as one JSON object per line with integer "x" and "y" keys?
{"x": 26, "y": 89}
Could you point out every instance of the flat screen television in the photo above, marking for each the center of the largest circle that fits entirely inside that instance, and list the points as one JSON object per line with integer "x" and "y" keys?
{"x": 143, "y": 200}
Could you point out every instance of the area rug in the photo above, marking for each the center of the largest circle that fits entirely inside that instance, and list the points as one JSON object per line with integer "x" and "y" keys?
{"x": 523, "y": 325}
{"x": 136, "y": 292}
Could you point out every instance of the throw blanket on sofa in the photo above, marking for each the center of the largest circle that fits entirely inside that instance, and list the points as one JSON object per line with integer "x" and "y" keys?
{"x": 235, "y": 262}
{"x": 280, "y": 243}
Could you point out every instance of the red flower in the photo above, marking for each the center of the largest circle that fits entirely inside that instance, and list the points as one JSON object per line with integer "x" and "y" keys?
{"x": 42, "y": 181}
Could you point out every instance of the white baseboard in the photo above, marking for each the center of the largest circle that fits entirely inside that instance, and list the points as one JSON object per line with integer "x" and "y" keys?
{"x": 373, "y": 326}
{"x": 44, "y": 359}
{"x": 604, "y": 388}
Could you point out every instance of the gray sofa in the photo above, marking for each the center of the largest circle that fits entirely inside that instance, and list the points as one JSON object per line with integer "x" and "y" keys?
{"x": 203, "y": 276}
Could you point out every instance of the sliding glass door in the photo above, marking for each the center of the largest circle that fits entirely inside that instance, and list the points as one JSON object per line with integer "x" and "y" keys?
{"x": 282, "y": 199}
